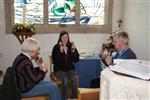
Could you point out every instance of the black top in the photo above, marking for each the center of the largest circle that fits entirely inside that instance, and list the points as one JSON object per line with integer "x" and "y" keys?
{"x": 63, "y": 62}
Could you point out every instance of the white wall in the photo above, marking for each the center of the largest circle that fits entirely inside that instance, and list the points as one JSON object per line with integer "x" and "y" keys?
{"x": 117, "y": 14}
{"x": 136, "y": 21}
{"x": 1, "y": 32}
{"x": 149, "y": 28}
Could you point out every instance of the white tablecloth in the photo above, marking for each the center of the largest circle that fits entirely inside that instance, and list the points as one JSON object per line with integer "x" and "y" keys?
{"x": 120, "y": 87}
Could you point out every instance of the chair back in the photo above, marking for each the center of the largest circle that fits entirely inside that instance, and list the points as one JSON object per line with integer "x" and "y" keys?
{"x": 52, "y": 74}
{"x": 51, "y": 64}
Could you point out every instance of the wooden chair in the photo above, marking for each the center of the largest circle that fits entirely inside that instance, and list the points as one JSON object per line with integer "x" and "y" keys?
{"x": 52, "y": 74}
{"x": 9, "y": 88}
{"x": 88, "y": 93}
{"x": 43, "y": 97}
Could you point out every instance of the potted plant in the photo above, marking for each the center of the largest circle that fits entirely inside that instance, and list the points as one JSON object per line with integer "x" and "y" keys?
{"x": 23, "y": 31}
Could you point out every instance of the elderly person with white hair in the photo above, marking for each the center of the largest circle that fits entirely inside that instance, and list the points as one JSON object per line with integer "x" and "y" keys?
{"x": 29, "y": 79}
{"x": 120, "y": 42}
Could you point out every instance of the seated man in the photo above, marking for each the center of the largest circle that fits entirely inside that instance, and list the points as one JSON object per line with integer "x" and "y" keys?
{"x": 29, "y": 79}
{"x": 120, "y": 42}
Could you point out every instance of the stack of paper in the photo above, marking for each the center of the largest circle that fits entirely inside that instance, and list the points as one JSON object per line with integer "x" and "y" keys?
{"x": 136, "y": 68}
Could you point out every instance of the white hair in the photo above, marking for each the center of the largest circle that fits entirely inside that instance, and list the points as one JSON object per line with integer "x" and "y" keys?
{"x": 30, "y": 45}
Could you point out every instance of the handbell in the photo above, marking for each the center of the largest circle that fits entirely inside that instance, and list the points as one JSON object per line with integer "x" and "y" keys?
{"x": 39, "y": 59}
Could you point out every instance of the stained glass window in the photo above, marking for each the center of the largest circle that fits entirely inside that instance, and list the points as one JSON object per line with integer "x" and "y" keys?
{"x": 92, "y": 12}
{"x": 28, "y": 11}
{"x": 61, "y": 11}
{"x": 75, "y": 15}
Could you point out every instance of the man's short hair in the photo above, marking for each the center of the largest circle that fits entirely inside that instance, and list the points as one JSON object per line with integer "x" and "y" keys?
{"x": 121, "y": 36}
{"x": 30, "y": 45}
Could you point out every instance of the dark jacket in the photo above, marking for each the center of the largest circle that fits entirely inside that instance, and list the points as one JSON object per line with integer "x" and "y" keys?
{"x": 60, "y": 62}
{"x": 9, "y": 89}
{"x": 128, "y": 54}
{"x": 26, "y": 75}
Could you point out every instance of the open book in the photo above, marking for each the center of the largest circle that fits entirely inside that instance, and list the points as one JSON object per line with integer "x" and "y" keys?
{"x": 136, "y": 68}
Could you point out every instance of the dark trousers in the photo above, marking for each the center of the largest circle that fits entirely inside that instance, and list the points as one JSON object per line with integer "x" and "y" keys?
{"x": 68, "y": 78}
{"x": 95, "y": 83}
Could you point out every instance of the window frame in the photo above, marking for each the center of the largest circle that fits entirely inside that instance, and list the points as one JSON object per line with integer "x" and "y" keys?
{"x": 51, "y": 28}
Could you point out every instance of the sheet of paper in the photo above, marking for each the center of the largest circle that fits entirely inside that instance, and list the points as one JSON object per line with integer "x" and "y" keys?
{"x": 136, "y": 68}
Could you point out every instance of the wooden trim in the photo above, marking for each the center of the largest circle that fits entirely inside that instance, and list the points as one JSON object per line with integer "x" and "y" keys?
{"x": 8, "y": 15}
{"x": 72, "y": 29}
{"x": 45, "y": 8}
{"x": 77, "y": 12}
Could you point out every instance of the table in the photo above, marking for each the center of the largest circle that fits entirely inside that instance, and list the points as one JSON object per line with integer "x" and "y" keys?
{"x": 116, "y": 86}
{"x": 88, "y": 69}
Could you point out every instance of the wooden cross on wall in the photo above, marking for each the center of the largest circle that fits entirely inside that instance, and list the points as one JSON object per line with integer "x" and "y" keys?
{"x": 119, "y": 22}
